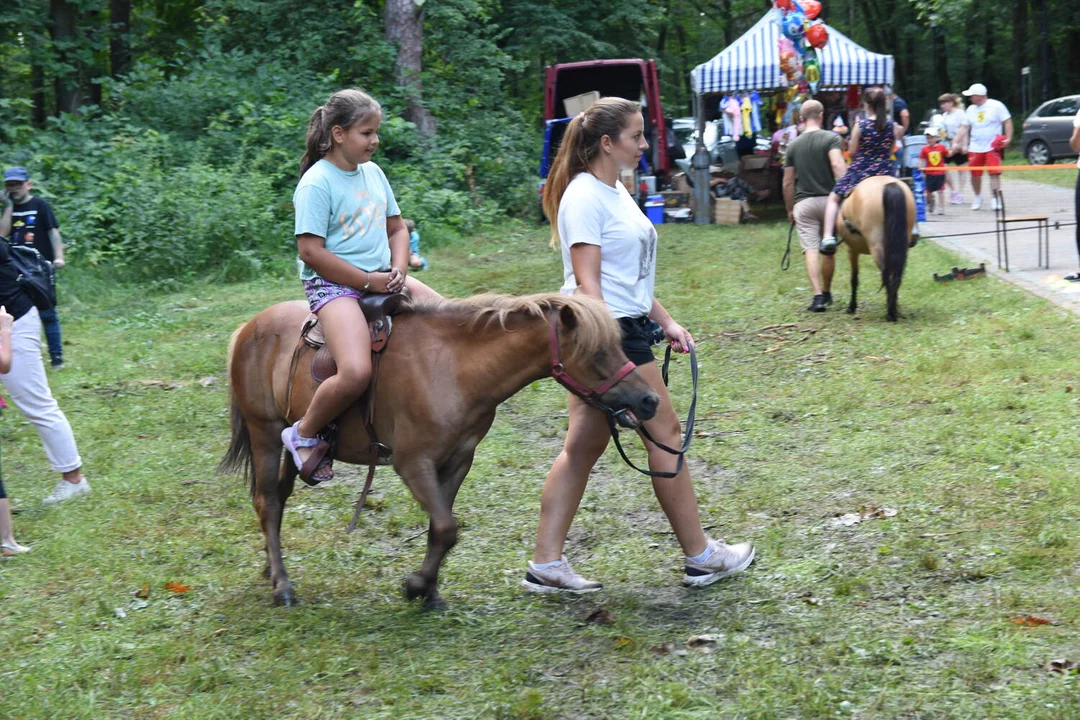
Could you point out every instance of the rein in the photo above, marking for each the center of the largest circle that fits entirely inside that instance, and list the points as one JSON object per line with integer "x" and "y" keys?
{"x": 681, "y": 452}
{"x": 592, "y": 397}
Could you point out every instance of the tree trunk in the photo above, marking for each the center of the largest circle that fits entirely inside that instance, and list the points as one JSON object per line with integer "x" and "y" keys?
{"x": 1020, "y": 42}
{"x": 119, "y": 48}
{"x": 405, "y": 26}
{"x": 37, "y": 95}
{"x": 941, "y": 62}
{"x": 63, "y": 16}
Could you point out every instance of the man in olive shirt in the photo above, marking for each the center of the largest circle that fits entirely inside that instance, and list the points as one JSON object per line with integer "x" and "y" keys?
{"x": 814, "y": 162}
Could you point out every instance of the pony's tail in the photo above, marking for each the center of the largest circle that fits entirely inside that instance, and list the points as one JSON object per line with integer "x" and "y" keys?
{"x": 238, "y": 457}
{"x": 896, "y": 242}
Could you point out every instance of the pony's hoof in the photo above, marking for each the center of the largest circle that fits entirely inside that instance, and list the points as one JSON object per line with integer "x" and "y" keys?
{"x": 286, "y": 598}
{"x": 435, "y": 602}
{"x": 415, "y": 586}
{"x": 851, "y": 310}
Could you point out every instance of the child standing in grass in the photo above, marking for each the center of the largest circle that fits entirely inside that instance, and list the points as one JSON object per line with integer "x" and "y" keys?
{"x": 416, "y": 261}
{"x": 351, "y": 241}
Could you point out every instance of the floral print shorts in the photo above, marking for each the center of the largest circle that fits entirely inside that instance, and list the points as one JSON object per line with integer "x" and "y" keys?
{"x": 319, "y": 292}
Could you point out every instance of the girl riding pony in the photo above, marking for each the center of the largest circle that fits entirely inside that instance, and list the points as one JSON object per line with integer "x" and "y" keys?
{"x": 351, "y": 241}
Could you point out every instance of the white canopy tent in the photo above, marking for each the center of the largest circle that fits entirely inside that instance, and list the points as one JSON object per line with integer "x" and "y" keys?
{"x": 753, "y": 63}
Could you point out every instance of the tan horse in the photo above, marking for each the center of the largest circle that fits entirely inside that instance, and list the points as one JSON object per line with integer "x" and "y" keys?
{"x": 878, "y": 219}
{"x": 445, "y": 370}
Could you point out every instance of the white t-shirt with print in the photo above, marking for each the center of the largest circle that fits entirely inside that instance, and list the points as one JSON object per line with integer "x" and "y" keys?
{"x": 1076, "y": 124}
{"x": 953, "y": 121}
{"x": 594, "y": 213}
{"x": 987, "y": 121}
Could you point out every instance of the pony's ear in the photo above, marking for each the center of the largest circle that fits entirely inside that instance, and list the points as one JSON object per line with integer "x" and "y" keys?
{"x": 568, "y": 318}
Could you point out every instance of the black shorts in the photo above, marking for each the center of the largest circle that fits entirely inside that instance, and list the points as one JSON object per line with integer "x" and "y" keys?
{"x": 636, "y": 340}
{"x": 934, "y": 183}
{"x": 957, "y": 159}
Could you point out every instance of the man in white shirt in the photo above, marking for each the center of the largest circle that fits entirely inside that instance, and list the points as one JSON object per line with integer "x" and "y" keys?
{"x": 988, "y": 119}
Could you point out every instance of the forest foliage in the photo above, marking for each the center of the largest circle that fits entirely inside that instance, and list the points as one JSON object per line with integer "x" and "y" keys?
{"x": 169, "y": 132}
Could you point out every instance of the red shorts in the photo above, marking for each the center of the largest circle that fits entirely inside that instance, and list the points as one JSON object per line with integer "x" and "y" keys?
{"x": 990, "y": 159}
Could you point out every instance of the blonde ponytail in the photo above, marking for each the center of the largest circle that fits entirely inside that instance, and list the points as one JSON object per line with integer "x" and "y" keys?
{"x": 580, "y": 146}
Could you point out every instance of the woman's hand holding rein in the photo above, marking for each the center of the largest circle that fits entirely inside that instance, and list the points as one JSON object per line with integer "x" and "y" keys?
{"x": 681, "y": 340}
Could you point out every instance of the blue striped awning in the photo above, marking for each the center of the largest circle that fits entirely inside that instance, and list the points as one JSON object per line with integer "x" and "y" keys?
{"x": 753, "y": 62}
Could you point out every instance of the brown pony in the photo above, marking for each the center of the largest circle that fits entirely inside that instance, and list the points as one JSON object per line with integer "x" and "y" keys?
{"x": 445, "y": 370}
{"x": 878, "y": 219}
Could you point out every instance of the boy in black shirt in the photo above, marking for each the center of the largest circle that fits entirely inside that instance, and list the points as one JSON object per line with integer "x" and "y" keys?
{"x": 33, "y": 223}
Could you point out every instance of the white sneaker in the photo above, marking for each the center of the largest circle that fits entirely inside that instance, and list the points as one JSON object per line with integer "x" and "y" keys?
{"x": 65, "y": 491}
{"x": 996, "y": 204}
{"x": 725, "y": 561}
{"x": 957, "y": 198}
{"x": 559, "y": 578}
{"x": 976, "y": 204}
{"x": 941, "y": 210}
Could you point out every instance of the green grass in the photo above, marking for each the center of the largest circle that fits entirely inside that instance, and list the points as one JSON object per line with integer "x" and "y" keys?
{"x": 962, "y": 417}
{"x": 1063, "y": 177}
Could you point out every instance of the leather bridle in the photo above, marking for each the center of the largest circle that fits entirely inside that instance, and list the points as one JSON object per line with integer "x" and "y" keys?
{"x": 591, "y": 396}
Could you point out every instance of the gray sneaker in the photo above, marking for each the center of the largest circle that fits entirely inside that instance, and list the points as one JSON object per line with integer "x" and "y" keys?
{"x": 725, "y": 561}
{"x": 559, "y": 578}
{"x": 65, "y": 491}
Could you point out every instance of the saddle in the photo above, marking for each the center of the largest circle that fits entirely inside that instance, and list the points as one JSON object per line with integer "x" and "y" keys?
{"x": 378, "y": 311}
{"x": 378, "y": 308}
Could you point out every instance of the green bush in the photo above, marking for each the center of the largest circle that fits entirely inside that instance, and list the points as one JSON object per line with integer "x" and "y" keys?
{"x": 189, "y": 167}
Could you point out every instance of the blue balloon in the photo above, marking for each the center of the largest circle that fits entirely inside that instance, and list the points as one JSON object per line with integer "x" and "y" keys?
{"x": 794, "y": 26}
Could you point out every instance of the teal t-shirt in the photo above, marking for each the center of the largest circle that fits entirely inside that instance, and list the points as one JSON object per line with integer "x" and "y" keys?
{"x": 349, "y": 210}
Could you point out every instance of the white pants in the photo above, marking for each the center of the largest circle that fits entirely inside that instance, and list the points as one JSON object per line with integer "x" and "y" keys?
{"x": 29, "y": 390}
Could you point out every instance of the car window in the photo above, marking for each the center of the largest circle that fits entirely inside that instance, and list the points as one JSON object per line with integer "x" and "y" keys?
{"x": 1066, "y": 107}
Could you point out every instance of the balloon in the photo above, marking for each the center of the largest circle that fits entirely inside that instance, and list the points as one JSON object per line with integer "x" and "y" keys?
{"x": 785, "y": 4}
{"x": 790, "y": 62}
{"x": 817, "y": 35}
{"x": 812, "y": 71}
{"x": 793, "y": 25}
{"x": 812, "y": 8}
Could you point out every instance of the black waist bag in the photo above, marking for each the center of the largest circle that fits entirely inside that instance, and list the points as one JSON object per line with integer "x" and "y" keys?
{"x": 35, "y": 275}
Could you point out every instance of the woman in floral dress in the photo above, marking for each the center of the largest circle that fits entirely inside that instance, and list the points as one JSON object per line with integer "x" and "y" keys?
{"x": 872, "y": 142}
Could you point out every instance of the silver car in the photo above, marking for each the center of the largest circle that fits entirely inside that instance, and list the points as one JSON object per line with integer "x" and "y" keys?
{"x": 1048, "y": 129}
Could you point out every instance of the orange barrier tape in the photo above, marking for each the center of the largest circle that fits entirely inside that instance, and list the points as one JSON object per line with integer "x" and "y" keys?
{"x": 1071, "y": 166}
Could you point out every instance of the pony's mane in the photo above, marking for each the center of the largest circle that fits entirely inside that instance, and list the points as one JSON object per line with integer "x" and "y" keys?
{"x": 596, "y": 328}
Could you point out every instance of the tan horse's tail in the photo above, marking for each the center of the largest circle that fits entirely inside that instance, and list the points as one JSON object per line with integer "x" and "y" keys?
{"x": 237, "y": 458}
{"x": 895, "y": 217}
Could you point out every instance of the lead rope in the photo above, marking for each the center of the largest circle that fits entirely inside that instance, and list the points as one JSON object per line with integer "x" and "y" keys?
{"x": 785, "y": 262}
{"x": 375, "y": 444}
{"x": 369, "y": 422}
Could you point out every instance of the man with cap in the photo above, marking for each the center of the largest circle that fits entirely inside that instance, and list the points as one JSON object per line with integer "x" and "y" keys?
{"x": 990, "y": 131}
{"x": 33, "y": 223}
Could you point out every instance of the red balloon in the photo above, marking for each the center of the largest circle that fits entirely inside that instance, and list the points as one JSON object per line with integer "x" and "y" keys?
{"x": 817, "y": 35}
{"x": 785, "y": 4}
{"x": 812, "y": 8}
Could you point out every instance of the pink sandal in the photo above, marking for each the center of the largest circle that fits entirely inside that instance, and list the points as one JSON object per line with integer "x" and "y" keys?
{"x": 318, "y": 460}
